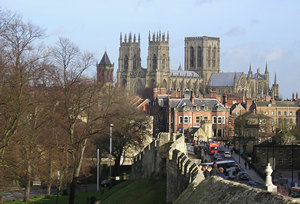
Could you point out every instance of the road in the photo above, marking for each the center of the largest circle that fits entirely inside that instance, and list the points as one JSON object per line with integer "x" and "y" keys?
{"x": 239, "y": 160}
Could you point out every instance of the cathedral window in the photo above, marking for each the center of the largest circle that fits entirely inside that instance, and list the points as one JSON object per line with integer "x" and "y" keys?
{"x": 209, "y": 56}
{"x": 126, "y": 62}
{"x": 163, "y": 62}
{"x": 134, "y": 62}
{"x": 214, "y": 57}
{"x": 192, "y": 60}
{"x": 154, "y": 62}
{"x": 199, "y": 57}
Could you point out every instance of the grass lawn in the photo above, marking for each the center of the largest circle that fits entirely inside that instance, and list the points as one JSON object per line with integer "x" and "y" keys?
{"x": 129, "y": 192}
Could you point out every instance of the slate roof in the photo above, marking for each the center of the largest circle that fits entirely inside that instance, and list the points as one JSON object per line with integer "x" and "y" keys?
{"x": 184, "y": 73}
{"x": 105, "y": 60}
{"x": 210, "y": 103}
{"x": 278, "y": 103}
{"x": 224, "y": 78}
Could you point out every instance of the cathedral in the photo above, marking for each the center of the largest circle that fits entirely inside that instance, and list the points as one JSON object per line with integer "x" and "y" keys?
{"x": 201, "y": 72}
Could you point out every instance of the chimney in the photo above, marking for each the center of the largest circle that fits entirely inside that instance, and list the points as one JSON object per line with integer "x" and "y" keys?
{"x": 192, "y": 97}
{"x": 225, "y": 100}
{"x": 293, "y": 96}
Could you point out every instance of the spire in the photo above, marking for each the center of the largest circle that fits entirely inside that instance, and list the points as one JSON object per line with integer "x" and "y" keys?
{"x": 168, "y": 36}
{"x": 153, "y": 37}
{"x": 149, "y": 37}
{"x": 179, "y": 68}
{"x": 129, "y": 39}
{"x": 275, "y": 79}
{"x": 139, "y": 38}
{"x": 266, "y": 71}
{"x": 163, "y": 37}
{"x": 121, "y": 38}
{"x": 125, "y": 38}
{"x": 250, "y": 69}
{"x": 235, "y": 78}
{"x": 105, "y": 60}
{"x": 134, "y": 38}
{"x": 159, "y": 36}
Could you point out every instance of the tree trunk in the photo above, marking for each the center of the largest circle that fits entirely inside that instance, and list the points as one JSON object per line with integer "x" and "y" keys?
{"x": 48, "y": 193}
{"x": 28, "y": 182}
{"x": 73, "y": 190}
{"x": 1, "y": 197}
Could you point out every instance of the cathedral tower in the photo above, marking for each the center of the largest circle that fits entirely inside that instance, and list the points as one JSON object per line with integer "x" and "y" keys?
{"x": 275, "y": 89}
{"x": 158, "y": 61}
{"x": 202, "y": 55}
{"x": 129, "y": 60}
{"x": 105, "y": 71}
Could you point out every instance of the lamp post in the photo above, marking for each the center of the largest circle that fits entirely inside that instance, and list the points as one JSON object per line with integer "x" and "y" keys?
{"x": 98, "y": 158}
{"x": 110, "y": 149}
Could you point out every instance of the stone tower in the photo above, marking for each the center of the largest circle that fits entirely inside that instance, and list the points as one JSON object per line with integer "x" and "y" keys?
{"x": 105, "y": 71}
{"x": 129, "y": 60}
{"x": 275, "y": 89}
{"x": 202, "y": 55}
{"x": 158, "y": 61}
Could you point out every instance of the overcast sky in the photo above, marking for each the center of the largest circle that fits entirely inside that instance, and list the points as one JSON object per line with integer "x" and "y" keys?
{"x": 250, "y": 31}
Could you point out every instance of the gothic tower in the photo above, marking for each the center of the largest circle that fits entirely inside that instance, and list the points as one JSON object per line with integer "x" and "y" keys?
{"x": 129, "y": 60}
{"x": 202, "y": 55}
{"x": 105, "y": 71}
{"x": 275, "y": 89}
{"x": 158, "y": 61}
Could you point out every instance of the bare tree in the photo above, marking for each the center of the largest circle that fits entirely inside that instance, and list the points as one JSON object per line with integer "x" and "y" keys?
{"x": 19, "y": 61}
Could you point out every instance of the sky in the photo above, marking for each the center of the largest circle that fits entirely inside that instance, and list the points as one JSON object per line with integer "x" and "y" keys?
{"x": 256, "y": 32}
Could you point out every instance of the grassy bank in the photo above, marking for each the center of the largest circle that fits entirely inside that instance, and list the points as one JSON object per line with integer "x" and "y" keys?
{"x": 140, "y": 191}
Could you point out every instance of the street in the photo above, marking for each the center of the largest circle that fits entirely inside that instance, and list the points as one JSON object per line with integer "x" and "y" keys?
{"x": 253, "y": 176}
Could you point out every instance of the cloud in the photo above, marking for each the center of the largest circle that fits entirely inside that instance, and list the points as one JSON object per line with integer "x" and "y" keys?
{"x": 236, "y": 31}
{"x": 274, "y": 54}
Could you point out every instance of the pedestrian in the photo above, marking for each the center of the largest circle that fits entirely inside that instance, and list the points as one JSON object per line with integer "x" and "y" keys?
{"x": 207, "y": 173}
{"x": 205, "y": 151}
{"x": 221, "y": 173}
{"x": 215, "y": 169}
{"x": 231, "y": 151}
{"x": 245, "y": 164}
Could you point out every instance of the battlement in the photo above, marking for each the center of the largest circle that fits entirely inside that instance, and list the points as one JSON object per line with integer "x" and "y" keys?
{"x": 131, "y": 40}
{"x": 158, "y": 38}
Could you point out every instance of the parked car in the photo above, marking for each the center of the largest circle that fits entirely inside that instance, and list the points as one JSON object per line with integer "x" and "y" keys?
{"x": 227, "y": 154}
{"x": 217, "y": 155}
{"x": 105, "y": 183}
{"x": 219, "y": 159}
{"x": 252, "y": 183}
{"x": 243, "y": 175}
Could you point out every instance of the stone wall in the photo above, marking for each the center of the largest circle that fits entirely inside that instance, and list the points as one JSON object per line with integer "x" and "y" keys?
{"x": 217, "y": 190}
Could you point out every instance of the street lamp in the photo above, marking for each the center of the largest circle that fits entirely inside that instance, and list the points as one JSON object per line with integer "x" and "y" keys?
{"x": 110, "y": 149}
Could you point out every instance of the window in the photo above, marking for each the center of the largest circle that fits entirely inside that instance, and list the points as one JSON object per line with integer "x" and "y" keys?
{"x": 154, "y": 62}
{"x": 284, "y": 112}
{"x": 214, "y": 120}
{"x": 291, "y": 113}
{"x": 187, "y": 119}
{"x": 180, "y": 120}
{"x": 205, "y": 117}
{"x": 279, "y": 112}
{"x": 198, "y": 119}
{"x": 279, "y": 120}
{"x": 272, "y": 113}
{"x": 219, "y": 119}
{"x": 192, "y": 57}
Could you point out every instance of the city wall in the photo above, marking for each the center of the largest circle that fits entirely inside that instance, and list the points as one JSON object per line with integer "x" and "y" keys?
{"x": 218, "y": 190}
{"x": 165, "y": 157}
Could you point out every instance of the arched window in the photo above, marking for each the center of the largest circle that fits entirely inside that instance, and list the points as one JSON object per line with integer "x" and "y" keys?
{"x": 154, "y": 62}
{"x": 192, "y": 60}
{"x": 209, "y": 56}
{"x": 163, "y": 62}
{"x": 152, "y": 83}
{"x": 164, "y": 84}
{"x": 126, "y": 62}
{"x": 199, "y": 57}
{"x": 124, "y": 83}
{"x": 214, "y": 57}
{"x": 134, "y": 62}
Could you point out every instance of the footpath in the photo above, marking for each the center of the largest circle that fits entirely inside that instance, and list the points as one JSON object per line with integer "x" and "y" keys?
{"x": 252, "y": 173}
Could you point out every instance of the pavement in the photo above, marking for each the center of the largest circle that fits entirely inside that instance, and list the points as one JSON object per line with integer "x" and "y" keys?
{"x": 253, "y": 175}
